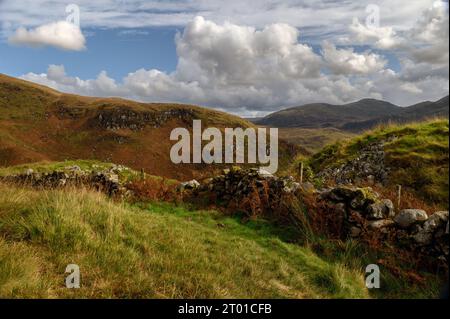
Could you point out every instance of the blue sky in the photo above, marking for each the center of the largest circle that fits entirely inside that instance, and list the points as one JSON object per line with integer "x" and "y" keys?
{"x": 108, "y": 50}
{"x": 245, "y": 57}
{"x": 118, "y": 51}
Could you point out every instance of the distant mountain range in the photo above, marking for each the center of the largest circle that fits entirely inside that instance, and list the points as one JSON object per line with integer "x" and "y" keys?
{"x": 356, "y": 116}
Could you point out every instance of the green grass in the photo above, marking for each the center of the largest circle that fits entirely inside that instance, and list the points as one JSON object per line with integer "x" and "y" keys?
{"x": 349, "y": 254}
{"x": 155, "y": 251}
{"x": 160, "y": 250}
{"x": 125, "y": 175}
{"x": 418, "y": 157}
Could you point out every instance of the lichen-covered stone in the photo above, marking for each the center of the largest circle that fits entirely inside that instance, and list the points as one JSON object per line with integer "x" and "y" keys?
{"x": 408, "y": 217}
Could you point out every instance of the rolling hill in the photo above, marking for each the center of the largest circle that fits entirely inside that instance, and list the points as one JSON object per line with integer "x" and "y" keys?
{"x": 356, "y": 116}
{"x": 415, "y": 155}
{"x": 416, "y": 112}
{"x": 313, "y": 139}
{"x": 142, "y": 247}
{"x": 41, "y": 124}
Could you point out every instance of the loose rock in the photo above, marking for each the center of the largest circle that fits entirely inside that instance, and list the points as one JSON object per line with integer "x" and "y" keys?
{"x": 408, "y": 217}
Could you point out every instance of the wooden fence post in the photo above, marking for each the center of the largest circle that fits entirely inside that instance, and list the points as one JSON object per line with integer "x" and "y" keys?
{"x": 399, "y": 196}
{"x": 301, "y": 172}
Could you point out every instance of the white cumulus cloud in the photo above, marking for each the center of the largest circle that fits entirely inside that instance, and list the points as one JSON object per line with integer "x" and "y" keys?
{"x": 247, "y": 70}
{"x": 425, "y": 41}
{"x": 346, "y": 61}
{"x": 61, "y": 34}
{"x": 379, "y": 36}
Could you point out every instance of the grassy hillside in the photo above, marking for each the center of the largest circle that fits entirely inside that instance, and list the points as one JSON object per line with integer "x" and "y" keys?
{"x": 417, "y": 112}
{"x": 416, "y": 153}
{"x": 152, "y": 251}
{"x": 313, "y": 139}
{"x": 20, "y": 99}
{"x": 159, "y": 250}
{"x": 318, "y": 115}
{"x": 40, "y": 124}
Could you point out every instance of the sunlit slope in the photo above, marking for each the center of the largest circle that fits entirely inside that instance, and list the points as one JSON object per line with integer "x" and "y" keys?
{"x": 38, "y": 123}
{"x": 151, "y": 251}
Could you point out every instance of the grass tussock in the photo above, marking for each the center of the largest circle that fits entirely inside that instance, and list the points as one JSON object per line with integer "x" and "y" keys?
{"x": 152, "y": 251}
{"x": 416, "y": 153}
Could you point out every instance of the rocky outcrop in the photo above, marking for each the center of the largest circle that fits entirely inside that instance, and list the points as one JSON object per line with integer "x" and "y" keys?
{"x": 125, "y": 117}
{"x": 129, "y": 119}
{"x": 369, "y": 165}
{"x": 365, "y": 215}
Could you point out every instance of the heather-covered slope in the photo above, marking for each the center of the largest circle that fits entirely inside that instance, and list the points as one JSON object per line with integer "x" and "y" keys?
{"x": 37, "y": 124}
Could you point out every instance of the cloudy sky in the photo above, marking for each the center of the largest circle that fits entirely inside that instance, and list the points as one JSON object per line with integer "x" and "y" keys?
{"x": 246, "y": 57}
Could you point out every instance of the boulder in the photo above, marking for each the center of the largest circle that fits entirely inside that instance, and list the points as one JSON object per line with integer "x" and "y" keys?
{"x": 431, "y": 227}
{"x": 409, "y": 217}
{"x": 380, "y": 210}
{"x": 437, "y": 220}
